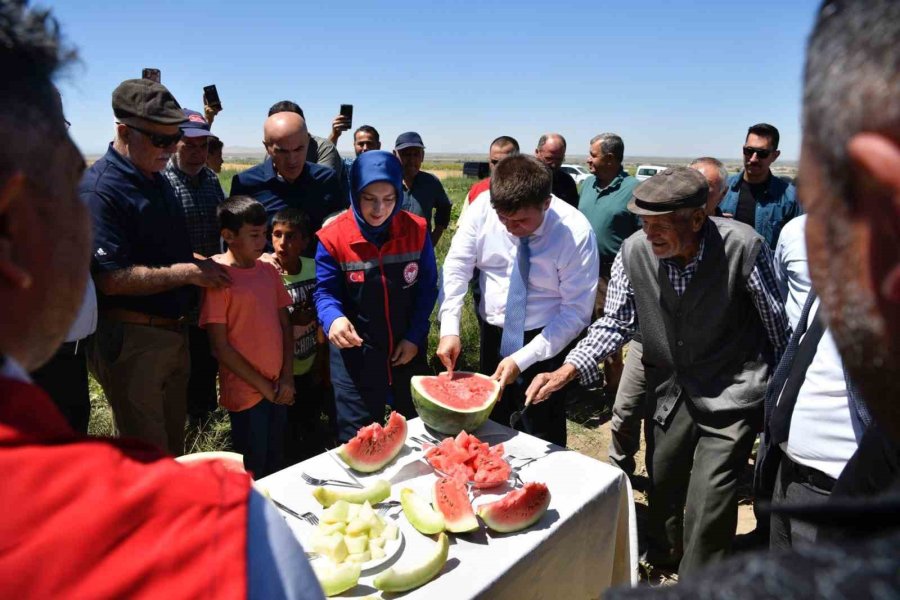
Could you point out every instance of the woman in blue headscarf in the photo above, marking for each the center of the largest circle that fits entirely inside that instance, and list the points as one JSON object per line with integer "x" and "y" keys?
{"x": 376, "y": 285}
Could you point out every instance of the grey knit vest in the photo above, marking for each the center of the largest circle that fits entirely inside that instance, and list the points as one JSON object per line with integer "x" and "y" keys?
{"x": 709, "y": 344}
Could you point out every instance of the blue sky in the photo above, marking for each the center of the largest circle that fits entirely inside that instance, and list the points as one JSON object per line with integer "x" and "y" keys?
{"x": 673, "y": 78}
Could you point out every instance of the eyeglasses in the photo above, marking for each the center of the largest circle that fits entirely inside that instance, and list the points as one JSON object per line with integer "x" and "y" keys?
{"x": 159, "y": 140}
{"x": 762, "y": 153}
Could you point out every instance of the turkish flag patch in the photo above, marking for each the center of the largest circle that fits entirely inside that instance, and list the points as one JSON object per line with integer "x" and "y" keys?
{"x": 356, "y": 276}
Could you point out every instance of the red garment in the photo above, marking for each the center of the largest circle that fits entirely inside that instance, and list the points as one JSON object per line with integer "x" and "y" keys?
{"x": 95, "y": 518}
{"x": 477, "y": 188}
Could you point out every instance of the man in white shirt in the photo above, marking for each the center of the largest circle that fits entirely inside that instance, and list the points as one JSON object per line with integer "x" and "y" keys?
{"x": 819, "y": 418}
{"x": 533, "y": 309}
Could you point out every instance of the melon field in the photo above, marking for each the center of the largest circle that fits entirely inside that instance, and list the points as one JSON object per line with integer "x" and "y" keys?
{"x": 587, "y": 411}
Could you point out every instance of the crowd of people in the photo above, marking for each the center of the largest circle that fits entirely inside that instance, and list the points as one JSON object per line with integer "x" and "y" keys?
{"x": 302, "y": 303}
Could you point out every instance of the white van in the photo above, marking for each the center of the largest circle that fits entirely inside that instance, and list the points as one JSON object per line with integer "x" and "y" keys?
{"x": 647, "y": 171}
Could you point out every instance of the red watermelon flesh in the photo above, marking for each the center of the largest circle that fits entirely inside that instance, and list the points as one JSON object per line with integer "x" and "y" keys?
{"x": 462, "y": 391}
{"x": 452, "y": 500}
{"x": 482, "y": 462}
{"x": 375, "y": 446}
{"x": 518, "y": 509}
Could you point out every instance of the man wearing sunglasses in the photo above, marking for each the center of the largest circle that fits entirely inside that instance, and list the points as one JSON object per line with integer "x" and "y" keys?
{"x": 756, "y": 196}
{"x": 143, "y": 268}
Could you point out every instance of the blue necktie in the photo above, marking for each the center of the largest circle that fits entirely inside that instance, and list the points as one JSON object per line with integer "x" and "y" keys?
{"x": 514, "y": 321}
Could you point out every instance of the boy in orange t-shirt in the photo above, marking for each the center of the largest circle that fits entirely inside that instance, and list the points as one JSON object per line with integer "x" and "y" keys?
{"x": 250, "y": 334}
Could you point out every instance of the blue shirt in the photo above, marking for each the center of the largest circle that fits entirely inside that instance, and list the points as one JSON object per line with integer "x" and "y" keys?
{"x": 426, "y": 198}
{"x": 778, "y": 206}
{"x": 137, "y": 221}
{"x": 316, "y": 192}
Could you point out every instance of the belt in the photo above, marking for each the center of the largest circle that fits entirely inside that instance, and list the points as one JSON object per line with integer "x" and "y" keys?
{"x": 124, "y": 315}
{"x": 804, "y": 474}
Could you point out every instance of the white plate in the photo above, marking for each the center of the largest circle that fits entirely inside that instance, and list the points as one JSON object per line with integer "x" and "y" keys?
{"x": 392, "y": 548}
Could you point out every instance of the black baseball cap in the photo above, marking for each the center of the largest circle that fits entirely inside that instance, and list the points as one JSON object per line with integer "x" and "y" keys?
{"x": 410, "y": 139}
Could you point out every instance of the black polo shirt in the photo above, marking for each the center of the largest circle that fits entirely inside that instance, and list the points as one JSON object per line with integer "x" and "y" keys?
{"x": 137, "y": 221}
{"x": 316, "y": 192}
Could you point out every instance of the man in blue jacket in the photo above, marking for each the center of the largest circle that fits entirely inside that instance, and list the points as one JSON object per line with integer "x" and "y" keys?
{"x": 756, "y": 196}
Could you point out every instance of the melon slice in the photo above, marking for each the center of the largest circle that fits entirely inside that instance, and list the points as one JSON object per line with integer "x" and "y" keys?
{"x": 378, "y": 491}
{"x": 336, "y": 579}
{"x": 451, "y": 404}
{"x": 518, "y": 509}
{"x": 420, "y": 514}
{"x": 452, "y": 501}
{"x": 375, "y": 446}
{"x": 401, "y": 580}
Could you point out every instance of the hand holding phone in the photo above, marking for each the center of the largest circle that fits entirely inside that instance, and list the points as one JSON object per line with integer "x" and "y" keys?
{"x": 151, "y": 74}
{"x": 347, "y": 112}
{"x": 211, "y": 98}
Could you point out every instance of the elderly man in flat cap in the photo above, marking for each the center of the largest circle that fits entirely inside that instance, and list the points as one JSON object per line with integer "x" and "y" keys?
{"x": 143, "y": 268}
{"x": 712, "y": 323}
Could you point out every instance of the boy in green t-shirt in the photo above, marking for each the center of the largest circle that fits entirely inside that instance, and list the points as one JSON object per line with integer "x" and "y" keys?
{"x": 307, "y": 433}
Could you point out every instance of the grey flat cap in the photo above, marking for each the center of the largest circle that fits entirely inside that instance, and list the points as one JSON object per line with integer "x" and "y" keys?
{"x": 678, "y": 187}
{"x": 146, "y": 100}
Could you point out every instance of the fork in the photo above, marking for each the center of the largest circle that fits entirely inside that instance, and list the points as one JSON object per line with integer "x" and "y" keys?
{"x": 423, "y": 440}
{"x": 307, "y": 516}
{"x": 316, "y": 481}
{"x": 383, "y": 508}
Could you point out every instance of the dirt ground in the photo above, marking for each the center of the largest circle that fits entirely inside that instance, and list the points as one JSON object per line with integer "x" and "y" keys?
{"x": 589, "y": 433}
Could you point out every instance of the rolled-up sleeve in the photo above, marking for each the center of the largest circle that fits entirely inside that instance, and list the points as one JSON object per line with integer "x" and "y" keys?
{"x": 459, "y": 265}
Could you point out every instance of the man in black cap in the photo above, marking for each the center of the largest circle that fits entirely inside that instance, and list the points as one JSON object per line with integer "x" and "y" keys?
{"x": 199, "y": 192}
{"x": 144, "y": 268}
{"x": 423, "y": 193}
{"x": 712, "y": 323}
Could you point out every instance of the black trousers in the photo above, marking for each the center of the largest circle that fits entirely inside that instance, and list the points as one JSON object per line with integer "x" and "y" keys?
{"x": 548, "y": 419}
{"x": 796, "y": 484}
{"x": 310, "y": 419}
{"x": 65, "y": 379}
{"x": 202, "y": 381}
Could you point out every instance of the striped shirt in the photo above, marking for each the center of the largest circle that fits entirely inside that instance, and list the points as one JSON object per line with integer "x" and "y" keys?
{"x": 619, "y": 322}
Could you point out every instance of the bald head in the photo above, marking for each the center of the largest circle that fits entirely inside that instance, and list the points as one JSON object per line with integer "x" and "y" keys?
{"x": 286, "y": 140}
{"x": 551, "y": 150}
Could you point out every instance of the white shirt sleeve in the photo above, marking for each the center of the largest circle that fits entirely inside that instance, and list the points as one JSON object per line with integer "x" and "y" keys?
{"x": 578, "y": 291}
{"x": 459, "y": 265}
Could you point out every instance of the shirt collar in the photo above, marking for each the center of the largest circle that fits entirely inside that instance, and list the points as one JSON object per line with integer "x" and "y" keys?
{"x": 173, "y": 168}
{"x": 692, "y": 264}
{"x": 128, "y": 169}
{"x": 615, "y": 183}
{"x": 10, "y": 369}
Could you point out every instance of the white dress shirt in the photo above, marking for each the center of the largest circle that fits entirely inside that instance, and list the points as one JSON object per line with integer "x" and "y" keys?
{"x": 562, "y": 280}
{"x": 821, "y": 434}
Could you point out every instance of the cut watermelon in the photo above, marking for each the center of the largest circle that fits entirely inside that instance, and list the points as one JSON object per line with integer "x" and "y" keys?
{"x": 452, "y": 501}
{"x": 479, "y": 463}
{"x": 375, "y": 446}
{"x": 453, "y": 404}
{"x": 516, "y": 510}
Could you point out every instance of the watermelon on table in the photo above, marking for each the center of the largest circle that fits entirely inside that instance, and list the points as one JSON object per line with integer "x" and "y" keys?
{"x": 516, "y": 510}
{"x": 477, "y": 462}
{"x": 453, "y": 404}
{"x": 375, "y": 446}
{"x": 451, "y": 499}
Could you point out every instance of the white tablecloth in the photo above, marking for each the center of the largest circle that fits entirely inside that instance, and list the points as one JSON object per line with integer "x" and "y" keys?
{"x": 585, "y": 543}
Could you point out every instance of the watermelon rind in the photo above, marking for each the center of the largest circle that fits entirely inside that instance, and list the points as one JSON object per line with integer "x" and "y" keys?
{"x": 378, "y": 491}
{"x": 367, "y": 455}
{"x": 401, "y": 580}
{"x": 420, "y": 514}
{"x": 517, "y": 510}
{"x": 447, "y": 419}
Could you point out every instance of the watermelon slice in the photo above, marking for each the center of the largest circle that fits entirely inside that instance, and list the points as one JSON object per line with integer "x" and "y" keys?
{"x": 518, "y": 509}
{"x": 452, "y": 501}
{"x": 453, "y": 404}
{"x": 480, "y": 464}
{"x": 375, "y": 446}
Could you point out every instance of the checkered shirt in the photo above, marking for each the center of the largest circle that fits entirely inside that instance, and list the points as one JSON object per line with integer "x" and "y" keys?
{"x": 619, "y": 321}
{"x": 199, "y": 197}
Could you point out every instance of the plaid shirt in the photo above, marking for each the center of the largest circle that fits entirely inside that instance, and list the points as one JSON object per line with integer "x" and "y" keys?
{"x": 619, "y": 321}
{"x": 199, "y": 197}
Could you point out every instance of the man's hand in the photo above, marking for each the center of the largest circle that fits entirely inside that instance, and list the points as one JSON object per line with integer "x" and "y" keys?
{"x": 268, "y": 391}
{"x": 285, "y": 391}
{"x": 507, "y": 372}
{"x": 210, "y": 113}
{"x": 270, "y": 258}
{"x": 448, "y": 351}
{"x": 403, "y": 353}
{"x": 546, "y": 383}
{"x": 338, "y": 126}
{"x": 209, "y": 274}
{"x": 343, "y": 335}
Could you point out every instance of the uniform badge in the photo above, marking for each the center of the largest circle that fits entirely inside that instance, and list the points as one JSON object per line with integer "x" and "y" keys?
{"x": 356, "y": 276}
{"x": 410, "y": 272}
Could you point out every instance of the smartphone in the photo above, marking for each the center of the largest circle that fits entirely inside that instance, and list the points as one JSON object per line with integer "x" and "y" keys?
{"x": 347, "y": 111}
{"x": 151, "y": 74}
{"x": 211, "y": 97}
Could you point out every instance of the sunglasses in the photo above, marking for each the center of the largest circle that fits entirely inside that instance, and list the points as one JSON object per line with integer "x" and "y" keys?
{"x": 159, "y": 140}
{"x": 762, "y": 153}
